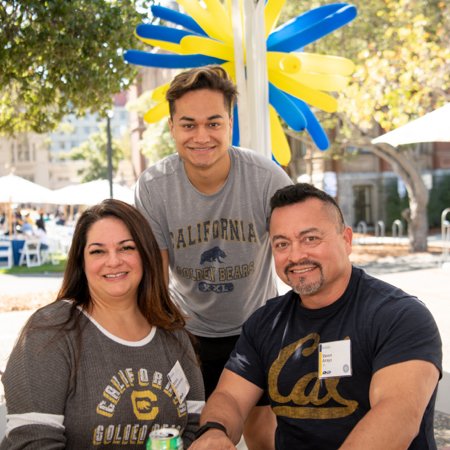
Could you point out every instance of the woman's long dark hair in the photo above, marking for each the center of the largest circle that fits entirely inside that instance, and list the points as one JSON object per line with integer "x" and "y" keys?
{"x": 153, "y": 294}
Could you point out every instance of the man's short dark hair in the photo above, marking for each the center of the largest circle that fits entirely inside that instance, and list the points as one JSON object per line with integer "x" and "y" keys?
{"x": 211, "y": 77}
{"x": 300, "y": 192}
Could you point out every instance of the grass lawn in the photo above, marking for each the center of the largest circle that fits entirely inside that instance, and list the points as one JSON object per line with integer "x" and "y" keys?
{"x": 44, "y": 268}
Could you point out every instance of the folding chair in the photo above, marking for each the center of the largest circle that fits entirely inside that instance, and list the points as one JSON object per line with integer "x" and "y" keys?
{"x": 6, "y": 254}
{"x": 31, "y": 253}
{"x": 50, "y": 253}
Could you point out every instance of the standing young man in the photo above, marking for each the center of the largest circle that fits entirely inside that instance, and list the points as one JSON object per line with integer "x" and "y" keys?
{"x": 208, "y": 206}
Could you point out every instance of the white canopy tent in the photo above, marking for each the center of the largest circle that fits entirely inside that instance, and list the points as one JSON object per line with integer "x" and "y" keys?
{"x": 14, "y": 189}
{"x": 432, "y": 127}
{"x": 91, "y": 193}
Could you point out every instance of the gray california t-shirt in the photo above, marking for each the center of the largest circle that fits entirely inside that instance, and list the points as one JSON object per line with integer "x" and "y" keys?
{"x": 219, "y": 250}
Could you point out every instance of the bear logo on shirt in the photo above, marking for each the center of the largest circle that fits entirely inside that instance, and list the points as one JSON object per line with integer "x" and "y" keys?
{"x": 213, "y": 254}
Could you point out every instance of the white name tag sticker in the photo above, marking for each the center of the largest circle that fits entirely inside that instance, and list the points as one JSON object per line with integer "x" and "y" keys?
{"x": 179, "y": 382}
{"x": 335, "y": 359}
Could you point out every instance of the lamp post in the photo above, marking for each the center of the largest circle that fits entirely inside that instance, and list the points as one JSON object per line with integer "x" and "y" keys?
{"x": 109, "y": 115}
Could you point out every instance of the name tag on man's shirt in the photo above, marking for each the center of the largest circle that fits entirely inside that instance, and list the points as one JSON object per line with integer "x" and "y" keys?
{"x": 335, "y": 359}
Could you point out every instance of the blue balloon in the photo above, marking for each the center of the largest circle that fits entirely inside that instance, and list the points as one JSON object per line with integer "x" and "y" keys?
{"x": 162, "y": 33}
{"x": 286, "y": 108}
{"x": 178, "y": 18}
{"x": 236, "y": 136}
{"x": 169, "y": 61}
{"x": 313, "y": 126}
{"x": 310, "y": 27}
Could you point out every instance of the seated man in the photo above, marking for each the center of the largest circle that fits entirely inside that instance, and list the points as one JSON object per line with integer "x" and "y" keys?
{"x": 348, "y": 361}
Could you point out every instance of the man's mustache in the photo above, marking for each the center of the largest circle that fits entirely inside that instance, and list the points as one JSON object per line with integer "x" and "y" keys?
{"x": 303, "y": 262}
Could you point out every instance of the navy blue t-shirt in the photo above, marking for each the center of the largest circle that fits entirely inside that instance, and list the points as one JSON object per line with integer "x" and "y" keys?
{"x": 278, "y": 351}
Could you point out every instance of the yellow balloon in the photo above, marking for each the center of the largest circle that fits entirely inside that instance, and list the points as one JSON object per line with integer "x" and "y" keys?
{"x": 271, "y": 13}
{"x": 218, "y": 11}
{"x": 157, "y": 113}
{"x": 159, "y": 93}
{"x": 206, "y": 46}
{"x": 286, "y": 62}
{"x": 280, "y": 146}
{"x": 312, "y": 62}
{"x": 231, "y": 70}
{"x": 214, "y": 28}
{"x": 313, "y": 97}
{"x": 169, "y": 46}
{"x": 321, "y": 81}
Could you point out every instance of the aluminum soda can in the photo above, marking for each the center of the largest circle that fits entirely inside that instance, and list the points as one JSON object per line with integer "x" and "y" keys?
{"x": 165, "y": 439}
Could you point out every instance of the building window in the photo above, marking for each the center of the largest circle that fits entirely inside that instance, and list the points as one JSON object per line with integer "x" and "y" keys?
{"x": 362, "y": 204}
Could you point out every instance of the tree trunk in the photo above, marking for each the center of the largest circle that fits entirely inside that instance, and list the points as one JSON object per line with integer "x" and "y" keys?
{"x": 418, "y": 226}
{"x": 403, "y": 165}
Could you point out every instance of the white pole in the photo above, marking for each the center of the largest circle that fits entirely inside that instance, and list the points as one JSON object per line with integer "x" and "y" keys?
{"x": 251, "y": 75}
{"x": 257, "y": 80}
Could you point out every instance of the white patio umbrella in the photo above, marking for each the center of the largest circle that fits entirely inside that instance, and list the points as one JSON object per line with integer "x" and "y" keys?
{"x": 91, "y": 193}
{"x": 432, "y": 127}
{"x": 14, "y": 189}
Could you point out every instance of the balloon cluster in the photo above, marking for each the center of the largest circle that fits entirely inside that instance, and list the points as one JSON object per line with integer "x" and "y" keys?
{"x": 204, "y": 35}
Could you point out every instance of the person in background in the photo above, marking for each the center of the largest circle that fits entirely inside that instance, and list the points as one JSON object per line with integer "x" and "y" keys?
{"x": 109, "y": 361}
{"x": 60, "y": 218}
{"x": 348, "y": 361}
{"x": 3, "y": 223}
{"x": 27, "y": 225}
{"x": 208, "y": 207}
{"x": 41, "y": 233}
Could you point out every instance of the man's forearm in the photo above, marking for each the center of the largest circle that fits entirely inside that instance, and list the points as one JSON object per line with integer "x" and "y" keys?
{"x": 222, "y": 407}
{"x": 385, "y": 426}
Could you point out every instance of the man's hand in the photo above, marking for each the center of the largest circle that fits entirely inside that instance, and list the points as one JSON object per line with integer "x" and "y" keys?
{"x": 212, "y": 440}
{"x": 229, "y": 405}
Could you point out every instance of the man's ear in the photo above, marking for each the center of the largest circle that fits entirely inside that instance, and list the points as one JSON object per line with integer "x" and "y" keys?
{"x": 348, "y": 238}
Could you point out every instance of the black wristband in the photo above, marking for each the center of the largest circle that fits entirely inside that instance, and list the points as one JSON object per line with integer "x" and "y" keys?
{"x": 208, "y": 426}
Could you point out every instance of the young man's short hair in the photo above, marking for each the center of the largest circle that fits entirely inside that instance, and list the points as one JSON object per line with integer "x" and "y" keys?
{"x": 212, "y": 77}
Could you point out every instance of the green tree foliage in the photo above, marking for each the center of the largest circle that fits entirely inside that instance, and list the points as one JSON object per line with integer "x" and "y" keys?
{"x": 94, "y": 152}
{"x": 59, "y": 56}
{"x": 157, "y": 142}
{"x": 402, "y": 71}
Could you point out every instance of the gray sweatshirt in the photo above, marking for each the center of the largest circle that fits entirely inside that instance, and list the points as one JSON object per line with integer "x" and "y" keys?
{"x": 118, "y": 395}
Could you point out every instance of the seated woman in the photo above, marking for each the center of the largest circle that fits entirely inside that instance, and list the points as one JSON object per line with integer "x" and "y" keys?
{"x": 109, "y": 361}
